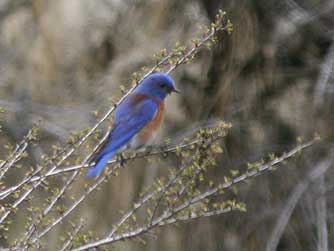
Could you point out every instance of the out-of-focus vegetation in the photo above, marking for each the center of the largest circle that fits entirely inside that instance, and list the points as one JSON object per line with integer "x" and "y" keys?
{"x": 62, "y": 64}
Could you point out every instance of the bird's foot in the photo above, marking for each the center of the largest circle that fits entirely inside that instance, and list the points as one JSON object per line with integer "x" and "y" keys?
{"x": 121, "y": 159}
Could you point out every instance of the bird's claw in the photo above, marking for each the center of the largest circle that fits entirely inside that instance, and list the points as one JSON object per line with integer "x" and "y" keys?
{"x": 121, "y": 160}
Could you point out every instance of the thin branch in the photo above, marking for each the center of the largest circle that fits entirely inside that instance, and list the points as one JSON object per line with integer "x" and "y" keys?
{"x": 169, "y": 213}
{"x": 326, "y": 72}
{"x": 69, "y": 241}
{"x": 16, "y": 154}
{"x": 321, "y": 210}
{"x": 286, "y": 213}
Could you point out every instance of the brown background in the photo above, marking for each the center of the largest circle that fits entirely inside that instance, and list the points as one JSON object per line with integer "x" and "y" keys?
{"x": 272, "y": 78}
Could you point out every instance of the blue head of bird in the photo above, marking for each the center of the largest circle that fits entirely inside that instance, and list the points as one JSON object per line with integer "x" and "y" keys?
{"x": 157, "y": 85}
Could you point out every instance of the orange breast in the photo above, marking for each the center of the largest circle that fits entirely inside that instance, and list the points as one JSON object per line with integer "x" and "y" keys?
{"x": 146, "y": 133}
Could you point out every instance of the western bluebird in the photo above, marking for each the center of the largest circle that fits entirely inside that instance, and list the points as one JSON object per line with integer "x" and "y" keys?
{"x": 137, "y": 118}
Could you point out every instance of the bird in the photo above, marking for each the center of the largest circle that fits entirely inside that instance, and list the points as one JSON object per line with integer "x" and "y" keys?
{"x": 136, "y": 119}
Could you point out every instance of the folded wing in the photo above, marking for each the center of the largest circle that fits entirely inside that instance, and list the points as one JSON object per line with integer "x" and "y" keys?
{"x": 135, "y": 116}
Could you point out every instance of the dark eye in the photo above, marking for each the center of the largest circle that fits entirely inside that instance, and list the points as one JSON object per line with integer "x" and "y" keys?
{"x": 161, "y": 85}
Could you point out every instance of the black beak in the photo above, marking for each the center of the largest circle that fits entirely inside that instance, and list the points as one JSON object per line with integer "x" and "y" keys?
{"x": 176, "y": 90}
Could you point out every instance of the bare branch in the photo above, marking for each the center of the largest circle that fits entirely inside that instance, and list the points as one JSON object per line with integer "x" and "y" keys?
{"x": 285, "y": 215}
{"x": 167, "y": 215}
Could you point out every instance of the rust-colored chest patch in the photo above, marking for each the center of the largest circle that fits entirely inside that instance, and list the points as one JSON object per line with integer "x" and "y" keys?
{"x": 147, "y": 132}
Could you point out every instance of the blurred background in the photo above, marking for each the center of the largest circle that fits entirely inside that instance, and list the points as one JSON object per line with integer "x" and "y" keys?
{"x": 272, "y": 78}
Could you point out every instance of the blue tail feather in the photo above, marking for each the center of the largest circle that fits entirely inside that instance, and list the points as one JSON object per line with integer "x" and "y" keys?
{"x": 99, "y": 166}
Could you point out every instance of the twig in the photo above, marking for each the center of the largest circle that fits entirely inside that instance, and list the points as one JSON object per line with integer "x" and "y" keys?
{"x": 68, "y": 242}
{"x": 285, "y": 214}
{"x": 168, "y": 213}
{"x": 326, "y": 72}
{"x": 16, "y": 154}
{"x": 322, "y": 229}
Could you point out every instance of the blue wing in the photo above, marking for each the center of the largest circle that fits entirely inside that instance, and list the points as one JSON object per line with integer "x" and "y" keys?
{"x": 129, "y": 120}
